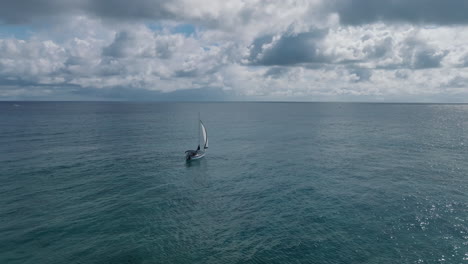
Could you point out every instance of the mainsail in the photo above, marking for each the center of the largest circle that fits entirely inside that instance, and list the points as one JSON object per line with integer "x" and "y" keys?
{"x": 205, "y": 135}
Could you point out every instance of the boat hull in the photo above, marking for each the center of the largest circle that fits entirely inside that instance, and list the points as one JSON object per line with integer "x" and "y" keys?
{"x": 197, "y": 156}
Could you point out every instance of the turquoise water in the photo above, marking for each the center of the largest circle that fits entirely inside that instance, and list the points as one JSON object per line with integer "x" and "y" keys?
{"x": 281, "y": 183}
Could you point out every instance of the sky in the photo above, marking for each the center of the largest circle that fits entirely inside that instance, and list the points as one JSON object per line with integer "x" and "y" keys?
{"x": 256, "y": 50}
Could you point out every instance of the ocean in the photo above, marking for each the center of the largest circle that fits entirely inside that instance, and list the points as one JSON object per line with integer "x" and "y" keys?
{"x": 106, "y": 182}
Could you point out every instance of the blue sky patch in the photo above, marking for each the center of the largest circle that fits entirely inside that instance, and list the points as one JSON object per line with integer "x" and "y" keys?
{"x": 15, "y": 31}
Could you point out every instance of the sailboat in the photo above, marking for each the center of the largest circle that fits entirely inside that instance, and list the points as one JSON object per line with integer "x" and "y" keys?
{"x": 199, "y": 153}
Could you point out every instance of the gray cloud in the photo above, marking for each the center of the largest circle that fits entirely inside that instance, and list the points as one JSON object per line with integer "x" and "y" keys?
{"x": 427, "y": 58}
{"x": 401, "y": 74}
{"x": 257, "y": 46}
{"x": 464, "y": 61}
{"x": 457, "y": 82}
{"x": 419, "y": 55}
{"x": 186, "y": 73}
{"x": 276, "y": 72}
{"x": 27, "y": 11}
{"x": 289, "y": 49}
{"x": 353, "y": 12}
{"x": 362, "y": 74}
{"x": 379, "y": 49}
{"x": 413, "y": 11}
{"x": 122, "y": 46}
{"x": 137, "y": 9}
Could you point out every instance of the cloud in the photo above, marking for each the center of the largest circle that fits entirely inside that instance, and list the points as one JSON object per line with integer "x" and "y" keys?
{"x": 379, "y": 48}
{"x": 261, "y": 49}
{"x": 276, "y": 72}
{"x": 361, "y": 74}
{"x": 457, "y": 82}
{"x": 427, "y": 58}
{"x": 27, "y": 11}
{"x": 418, "y": 55}
{"x": 287, "y": 49}
{"x": 30, "y": 60}
{"x": 233, "y": 13}
{"x": 464, "y": 61}
{"x": 357, "y": 12}
{"x": 141, "y": 42}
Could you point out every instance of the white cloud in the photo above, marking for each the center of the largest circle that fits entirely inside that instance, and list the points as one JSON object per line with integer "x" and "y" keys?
{"x": 263, "y": 49}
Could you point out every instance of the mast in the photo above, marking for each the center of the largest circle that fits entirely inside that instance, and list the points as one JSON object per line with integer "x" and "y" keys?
{"x": 198, "y": 129}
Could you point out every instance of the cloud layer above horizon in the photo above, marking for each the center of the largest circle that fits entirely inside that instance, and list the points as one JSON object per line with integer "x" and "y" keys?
{"x": 362, "y": 50}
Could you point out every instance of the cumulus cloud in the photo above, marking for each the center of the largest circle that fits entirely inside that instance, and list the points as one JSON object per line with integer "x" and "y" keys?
{"x": 261, "y": 49}
{"x": 137, "y": 58}
{"x": 287, "y": 49}
{"x": 414, "y": 11}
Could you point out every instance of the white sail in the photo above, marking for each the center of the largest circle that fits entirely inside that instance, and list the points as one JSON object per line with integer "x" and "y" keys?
{"x": 205, "y": 135}
{"x": 200, "y": 151}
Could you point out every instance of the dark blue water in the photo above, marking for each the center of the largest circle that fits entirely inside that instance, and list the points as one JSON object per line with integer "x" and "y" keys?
{"x": 281, "y": 183}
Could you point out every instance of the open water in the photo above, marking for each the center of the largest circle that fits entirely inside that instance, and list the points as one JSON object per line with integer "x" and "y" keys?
{"x": 106, "y": 182}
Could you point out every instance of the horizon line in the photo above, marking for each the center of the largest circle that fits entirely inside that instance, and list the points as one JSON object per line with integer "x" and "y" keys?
{"x": 225, "y": 101}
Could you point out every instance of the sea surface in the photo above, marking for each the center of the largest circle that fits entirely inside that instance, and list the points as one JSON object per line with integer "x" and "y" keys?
{"x": 106, "y": 182}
